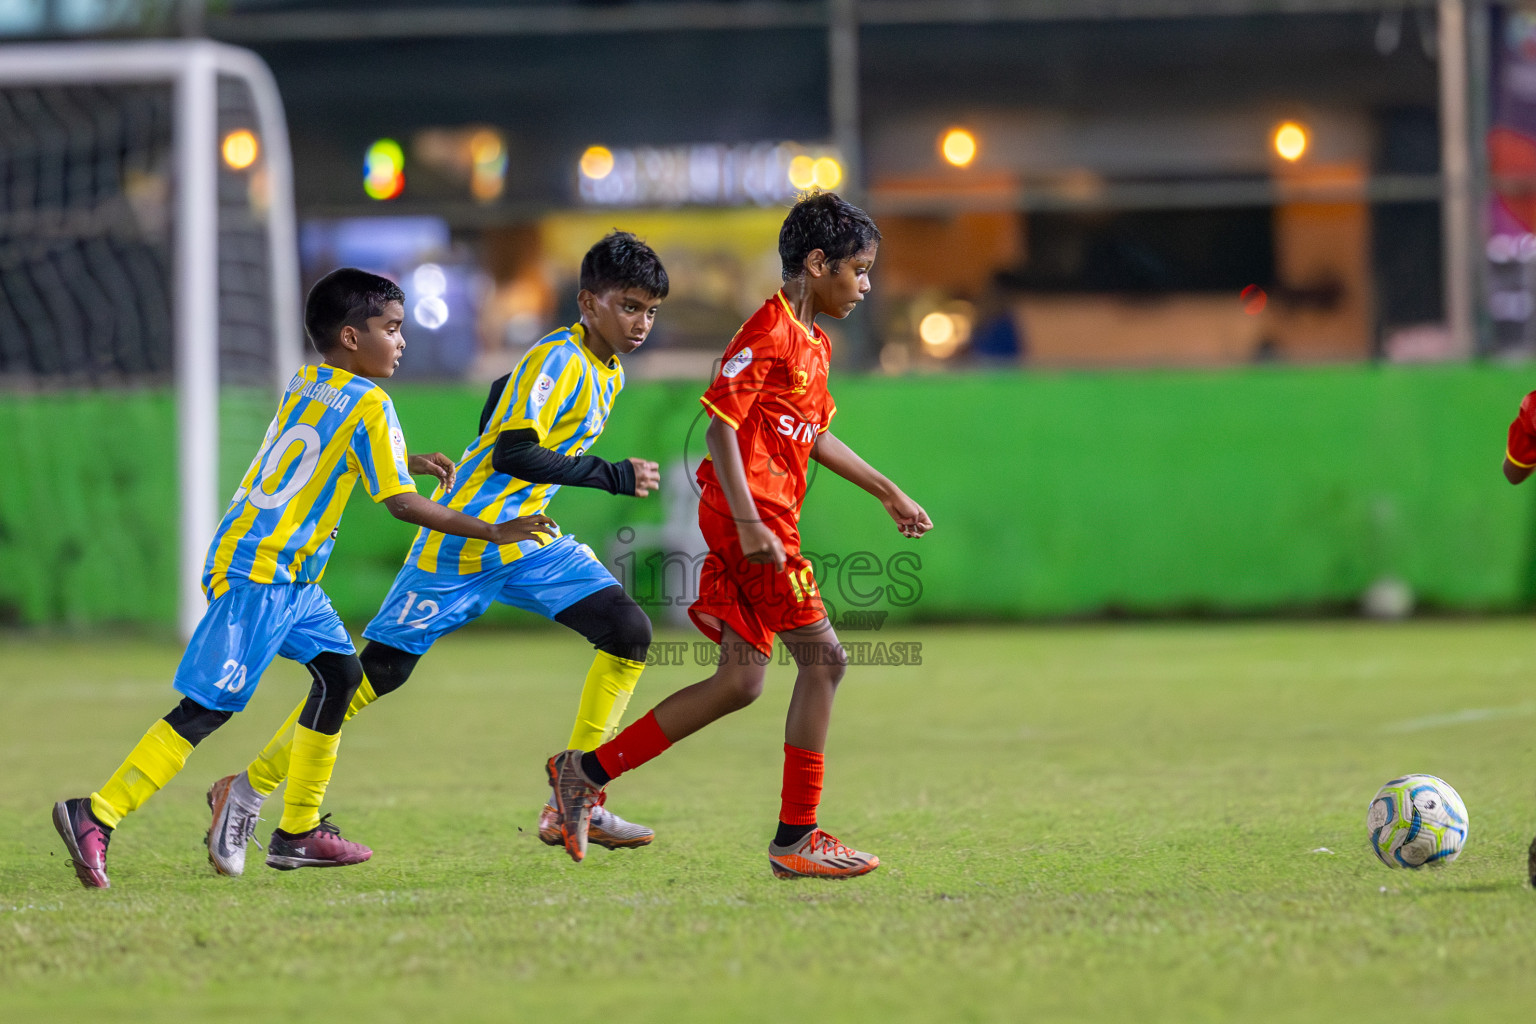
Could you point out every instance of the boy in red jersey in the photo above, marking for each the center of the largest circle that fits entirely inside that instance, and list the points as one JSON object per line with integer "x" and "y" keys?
{"x": 770, "y": 411}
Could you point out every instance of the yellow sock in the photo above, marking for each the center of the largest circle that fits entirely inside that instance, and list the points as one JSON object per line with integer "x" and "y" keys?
{"x": 604, "y": 696}
{"x": 361, "y": 699}
{"x": 313, "y": 756}
{"x": 151, "y": 764}
{"x": 270, "y": 768}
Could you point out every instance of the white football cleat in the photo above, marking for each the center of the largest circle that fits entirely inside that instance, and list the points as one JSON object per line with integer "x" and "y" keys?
{"x": 236, "y": 808}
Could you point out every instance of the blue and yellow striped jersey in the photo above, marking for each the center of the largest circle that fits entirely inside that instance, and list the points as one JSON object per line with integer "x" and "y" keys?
{"x": 560, "y": 391}
{"x": 331, "y": 428}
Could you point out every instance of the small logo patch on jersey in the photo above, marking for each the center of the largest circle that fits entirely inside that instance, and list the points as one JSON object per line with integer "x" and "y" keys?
{"x": 397, "y": 440}
{"x": 543, "y": 387}
{"x": 799, "y": 380}
{"x": 737, "y": 363}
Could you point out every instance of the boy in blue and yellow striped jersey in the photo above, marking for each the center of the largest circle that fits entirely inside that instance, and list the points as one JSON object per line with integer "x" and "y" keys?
{"x": 332, "y": 428}
{"x": 534, "y": 432}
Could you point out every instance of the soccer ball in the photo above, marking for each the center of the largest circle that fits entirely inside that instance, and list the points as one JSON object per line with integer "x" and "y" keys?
{"x": 1417, "y": 820}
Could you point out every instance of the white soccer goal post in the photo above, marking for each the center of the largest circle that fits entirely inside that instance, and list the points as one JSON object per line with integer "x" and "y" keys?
{"x": 69, "y": 112}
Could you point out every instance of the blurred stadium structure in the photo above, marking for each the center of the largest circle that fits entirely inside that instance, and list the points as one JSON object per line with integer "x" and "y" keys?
{"x": 1123, "y": 183}
{"x": 1063, "y": 184}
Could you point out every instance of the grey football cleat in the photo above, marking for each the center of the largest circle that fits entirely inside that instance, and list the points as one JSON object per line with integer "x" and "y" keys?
{"x": 609, "y": 830}
{"x": 236, "y": 809}
{"x": 575, "y": 796}
{"x": 604, "y": 828}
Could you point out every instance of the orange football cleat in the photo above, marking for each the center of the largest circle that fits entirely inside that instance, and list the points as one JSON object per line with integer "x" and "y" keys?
{"x": 819, "y": 855}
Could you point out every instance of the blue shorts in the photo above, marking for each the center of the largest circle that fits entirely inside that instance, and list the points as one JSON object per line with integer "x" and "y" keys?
{"x": 424, "y": 606}
{"x": 245, "y": 628}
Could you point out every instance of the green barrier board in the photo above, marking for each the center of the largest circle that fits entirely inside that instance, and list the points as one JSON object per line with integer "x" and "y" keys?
{"x": 1148, "y": 493}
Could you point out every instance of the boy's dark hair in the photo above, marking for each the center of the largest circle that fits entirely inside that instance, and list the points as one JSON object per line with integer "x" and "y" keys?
{"x": 342, "y": 298}
{"x": 619, "y": 260}
{"x": 825, "y": 221}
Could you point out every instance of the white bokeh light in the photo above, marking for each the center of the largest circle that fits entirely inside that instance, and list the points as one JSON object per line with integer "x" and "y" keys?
{"x": 431, "y": 312}
{"x": 429, "y": 281}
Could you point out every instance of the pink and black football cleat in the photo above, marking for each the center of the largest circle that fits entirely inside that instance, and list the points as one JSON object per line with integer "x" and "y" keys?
{"x": 320, "y": 847}
{"x": 86, "y": 839}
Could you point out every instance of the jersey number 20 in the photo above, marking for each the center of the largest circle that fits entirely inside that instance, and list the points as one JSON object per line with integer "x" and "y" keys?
{"x": 271, "y": 467}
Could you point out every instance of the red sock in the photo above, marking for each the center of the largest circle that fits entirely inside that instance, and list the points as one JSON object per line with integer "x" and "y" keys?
{"x": 801, "y": 794}
{"x": 633, "y": 747}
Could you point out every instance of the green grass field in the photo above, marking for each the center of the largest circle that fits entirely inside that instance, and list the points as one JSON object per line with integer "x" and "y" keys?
{"x": 1079, "y": 823}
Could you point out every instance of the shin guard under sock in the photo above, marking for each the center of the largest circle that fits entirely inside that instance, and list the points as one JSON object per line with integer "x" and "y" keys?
{"x": 154, "y": 761}
{"x": 309, "y": 773}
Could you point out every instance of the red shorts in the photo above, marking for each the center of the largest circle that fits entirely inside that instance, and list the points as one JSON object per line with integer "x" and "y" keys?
{"x": 755, "y": 599}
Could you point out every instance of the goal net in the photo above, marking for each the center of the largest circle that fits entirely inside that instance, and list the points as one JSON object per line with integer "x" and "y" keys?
{"x": 148, "y": 317}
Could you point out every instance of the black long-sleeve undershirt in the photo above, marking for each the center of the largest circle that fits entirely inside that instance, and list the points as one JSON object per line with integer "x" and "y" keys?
{"x": 518, "y": 453}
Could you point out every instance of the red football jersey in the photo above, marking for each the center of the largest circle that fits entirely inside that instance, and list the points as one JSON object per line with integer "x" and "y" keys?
{"x": 1522, "y": 434}
{"x": 772, "y": 387}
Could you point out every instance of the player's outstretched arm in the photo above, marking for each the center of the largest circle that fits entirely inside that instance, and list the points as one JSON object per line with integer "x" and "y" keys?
{"x": 410, "y": 507}
{"x": 1516, "y": 473}
{"x": 910, "y": 518}
{"x": 518, "y": 453}
{"x": 758, "y": 543}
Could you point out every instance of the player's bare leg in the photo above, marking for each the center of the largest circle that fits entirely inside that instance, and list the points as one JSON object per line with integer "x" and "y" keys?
{"x": 736, "y": 682}
{"x": 821, "y": 662}
{"x": 578, "y": 777}
{"x": 801, "y": 849}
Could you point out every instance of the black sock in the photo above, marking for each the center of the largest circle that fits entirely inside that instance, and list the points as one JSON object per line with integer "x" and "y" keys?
{"x": 790, "y": 834}
{"x": 593, "y": 768}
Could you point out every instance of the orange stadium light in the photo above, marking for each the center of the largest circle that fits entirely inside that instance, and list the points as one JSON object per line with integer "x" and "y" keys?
{"x": 958, "y": 147}
{"x": 802, "y": 172}
{"x": 1291, "y": 141}
{"x": 826, "y": 172}
{"x": 240, "y": 149}
{"x": 943, "y": 331}
{"x": 597, "y": 163}
{"x": 488, "y": 157}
